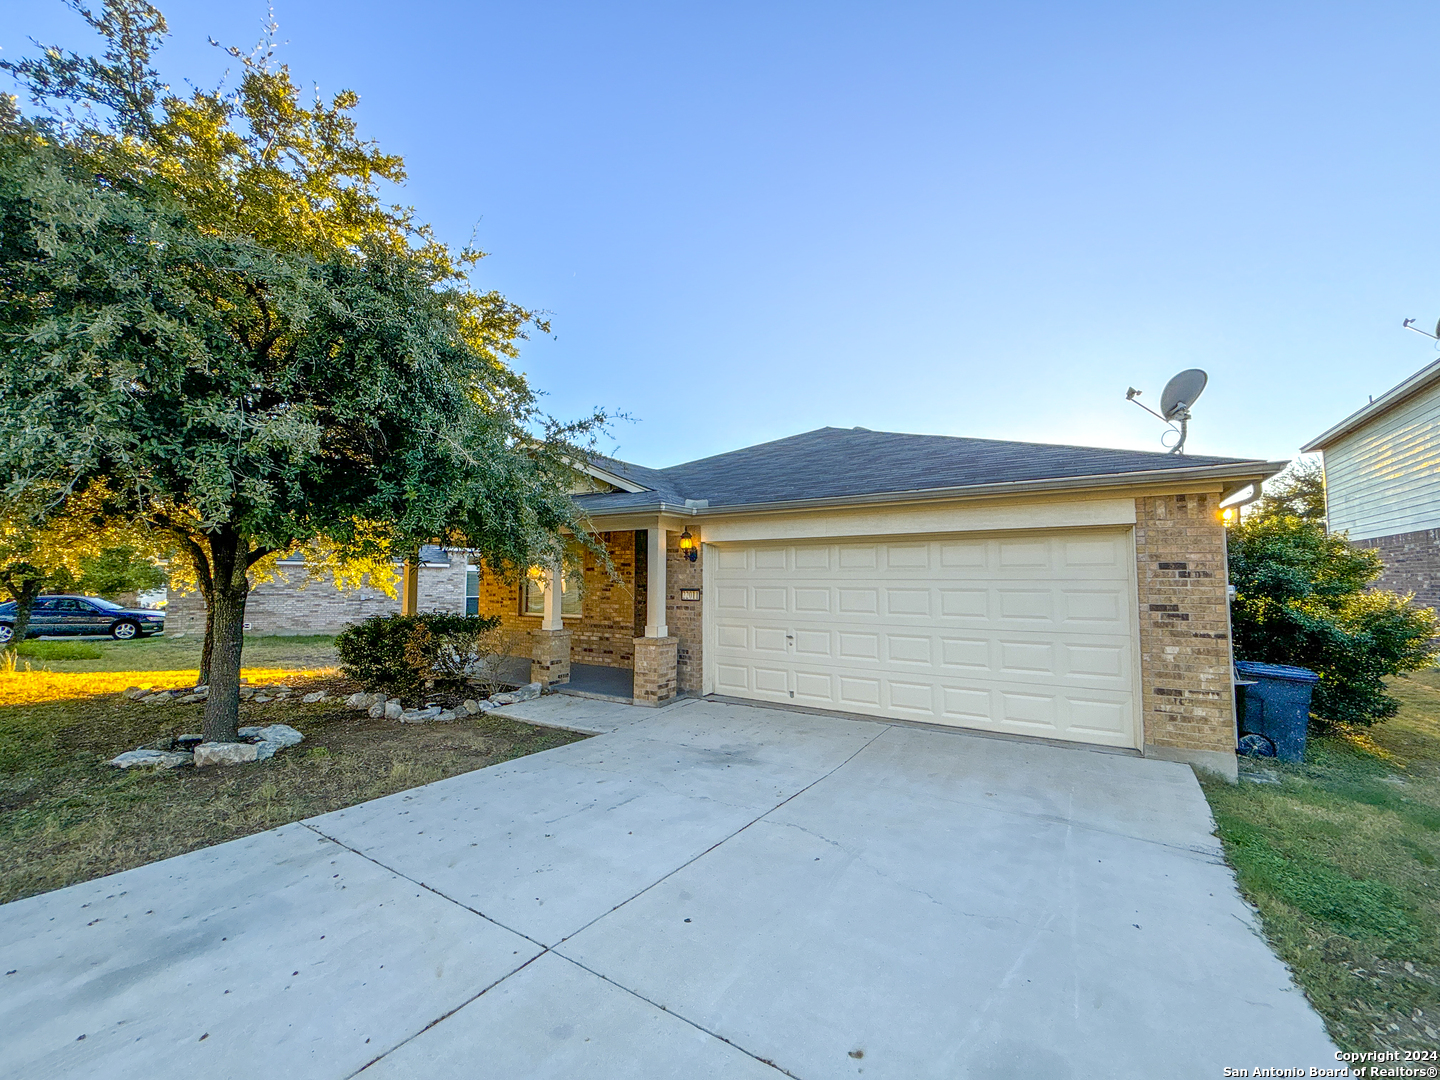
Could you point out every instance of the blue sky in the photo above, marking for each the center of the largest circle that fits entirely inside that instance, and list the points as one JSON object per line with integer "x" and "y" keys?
{"x": 750, "y": 220}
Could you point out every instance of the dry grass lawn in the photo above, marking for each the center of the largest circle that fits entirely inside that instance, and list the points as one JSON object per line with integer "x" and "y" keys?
{"x": 66, "y": 816}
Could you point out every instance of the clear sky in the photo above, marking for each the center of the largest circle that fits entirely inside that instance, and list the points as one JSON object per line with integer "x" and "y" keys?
{"x": 750, "y": 220}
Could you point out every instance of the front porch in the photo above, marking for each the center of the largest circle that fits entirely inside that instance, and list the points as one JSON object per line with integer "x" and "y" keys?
{"x": 605, "y": 639}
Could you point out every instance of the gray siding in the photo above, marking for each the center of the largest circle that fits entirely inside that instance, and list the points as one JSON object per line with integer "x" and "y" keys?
{"x": 1384, "y": 478}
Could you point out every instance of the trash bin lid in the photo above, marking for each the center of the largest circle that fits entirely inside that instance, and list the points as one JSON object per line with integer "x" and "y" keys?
{"x": 1276, "y": 671}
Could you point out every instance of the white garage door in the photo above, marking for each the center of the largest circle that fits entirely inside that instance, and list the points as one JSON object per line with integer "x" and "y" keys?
{"x": 1025, "y": 633}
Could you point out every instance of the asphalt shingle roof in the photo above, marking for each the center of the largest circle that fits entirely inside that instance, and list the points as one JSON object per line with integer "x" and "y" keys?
{"x": 835, "y": 463}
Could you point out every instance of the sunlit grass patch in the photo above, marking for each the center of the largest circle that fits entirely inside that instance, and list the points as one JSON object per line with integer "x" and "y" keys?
{"x": 22, "y": 687}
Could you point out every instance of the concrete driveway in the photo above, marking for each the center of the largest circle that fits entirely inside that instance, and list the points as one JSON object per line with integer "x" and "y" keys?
{"x": 707, "y": 890}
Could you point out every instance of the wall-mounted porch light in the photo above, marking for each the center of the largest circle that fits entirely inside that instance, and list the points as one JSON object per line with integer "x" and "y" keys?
{"x": 687, "y": 546}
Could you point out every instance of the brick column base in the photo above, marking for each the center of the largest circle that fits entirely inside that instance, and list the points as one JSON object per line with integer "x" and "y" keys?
{"x": 550, "y": 657}
{"x": 655, "y": 660}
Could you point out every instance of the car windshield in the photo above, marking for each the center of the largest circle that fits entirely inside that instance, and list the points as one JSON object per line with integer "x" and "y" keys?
{"x": 105, "y": 604}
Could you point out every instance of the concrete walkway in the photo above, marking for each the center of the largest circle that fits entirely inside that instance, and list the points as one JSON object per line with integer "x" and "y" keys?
{"x": 707, "y": 890}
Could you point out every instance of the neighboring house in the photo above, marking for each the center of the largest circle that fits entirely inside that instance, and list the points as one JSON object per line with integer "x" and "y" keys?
{"x": 1056, "y": 591}
{"x": 294, "y": 604}
{"x": 1382, "y": 482}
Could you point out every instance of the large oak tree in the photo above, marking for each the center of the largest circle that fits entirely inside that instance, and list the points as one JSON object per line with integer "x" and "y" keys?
{"x": 208, "y": 306}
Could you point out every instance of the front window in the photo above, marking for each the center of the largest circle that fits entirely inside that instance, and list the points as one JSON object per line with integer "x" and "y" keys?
{"x": 532, "y": 593}
{"x": 472, "y": 590}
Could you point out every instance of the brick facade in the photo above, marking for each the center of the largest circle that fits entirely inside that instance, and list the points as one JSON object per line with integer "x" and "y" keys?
{"x": 1186, "y": 675}
{"x": 550, "y": 657}
{"x": 604, "y": 631}
{"x": 655, "y": 681}
{"x": 293, "y": 604}
{"x": 1412, "y": 564}
{"x": 683, "y": 617}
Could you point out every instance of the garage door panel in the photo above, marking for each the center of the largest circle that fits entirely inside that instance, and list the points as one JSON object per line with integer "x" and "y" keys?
{"x": 812, "y": 643}
{"x": 967, "y": 654}
{"x": 907, "y": 556}
{"x": 859, "y": 557}
{"x": 1094, "y": 606}
{"x": 858, "y": 601}
{"x": 1025, "y": 553}
{"x": 1099, "y": 717}
{"x": 1026, "y": 605}
{"x": 909, "y": 649}
{"x": 770, "y": 639}
{"x": 907, "y": 602}
{"x": 912, "y": 697}
{"x": 965, "y": 604}
{"x": 858, "y": 692}
{"x": 771, "y": 598}
{"x": 811, "y": 600}
{"x": 812, "y": 688}
{"x": 1028, "y": 658}
{"x": 1030, "y": 635}
{"x": 859, "y": 646}
{"x": 771, "y": 559}
{"x": 972, "y": 555}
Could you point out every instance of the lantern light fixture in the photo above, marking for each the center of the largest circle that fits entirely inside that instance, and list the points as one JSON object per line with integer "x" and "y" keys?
{"x": 687, "y": 546}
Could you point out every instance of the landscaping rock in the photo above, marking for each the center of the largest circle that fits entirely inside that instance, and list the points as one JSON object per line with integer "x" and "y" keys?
{"x": 523, "y": 693}
{"x": 261, "y": 699}
{"x": 471, "y": 706}
{"x": 487, "y": 706}
{"x": 225, "y": 753}
{"x": 246, "y": 693}
{"x": 131, "y": 693}
{"x": 393, "y": 710}
{"x": 190, "y": 699}
{"x": 446, "y": 716}
{"x": 360, "y": 701}
{"x": 188, "y": 742}
{"x": 420, "y": 716}
{"x": 311, "y": 699}
{"x": 377, "y": 710}
{"x": 163, "y": 758}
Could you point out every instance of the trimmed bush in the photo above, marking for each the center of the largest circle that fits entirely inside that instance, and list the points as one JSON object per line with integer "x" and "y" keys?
{"x": 1303, "y": 597}
{"x": 398, "y": 654}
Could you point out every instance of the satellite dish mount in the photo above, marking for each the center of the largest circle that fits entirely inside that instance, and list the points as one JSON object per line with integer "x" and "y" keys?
{"x": 1175, "y": 401}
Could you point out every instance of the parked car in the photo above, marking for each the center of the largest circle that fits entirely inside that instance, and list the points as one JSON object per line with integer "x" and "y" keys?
{"x": 73, "y": 615}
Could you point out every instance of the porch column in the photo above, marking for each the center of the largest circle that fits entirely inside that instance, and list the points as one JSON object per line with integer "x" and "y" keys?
{"x": 553, "y": 597}
{"x": 657, "y": 652}
{"x": 655, "y": 584}
{"x": 550, "y": 653}
{"x": 410, "y": 587}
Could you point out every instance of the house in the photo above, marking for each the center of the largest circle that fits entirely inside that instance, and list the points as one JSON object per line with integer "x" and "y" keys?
{"x": 1062, "y": 592}
{"x": 292, "y": 603}
{"x": 1382, "y": 482}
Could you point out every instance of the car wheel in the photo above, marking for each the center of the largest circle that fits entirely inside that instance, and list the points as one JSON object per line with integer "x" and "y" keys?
{"x": 6, "y": 633}
{"x": 124, "y": 630}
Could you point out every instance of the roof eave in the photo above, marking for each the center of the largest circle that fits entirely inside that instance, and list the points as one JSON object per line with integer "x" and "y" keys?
{"x": 1421, "y": 380}
{"x": 1230, "y": 472}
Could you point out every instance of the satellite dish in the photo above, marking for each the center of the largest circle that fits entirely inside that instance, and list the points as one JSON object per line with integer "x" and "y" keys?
{"x": 1180, "y": 393}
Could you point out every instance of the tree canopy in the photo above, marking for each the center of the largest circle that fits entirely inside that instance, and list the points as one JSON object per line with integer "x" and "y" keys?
{"x": 205, "y": 303}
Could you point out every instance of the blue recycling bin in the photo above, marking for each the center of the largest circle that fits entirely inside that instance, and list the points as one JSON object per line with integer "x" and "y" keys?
{"x": 1277, "y": 705}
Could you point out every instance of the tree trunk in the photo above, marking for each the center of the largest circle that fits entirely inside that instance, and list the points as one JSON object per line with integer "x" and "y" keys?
{"x": 207, "y": 650}
{"x": 24, "y": 593}
{"x": 226, "y": 614}
{"x": 204, "y": 579}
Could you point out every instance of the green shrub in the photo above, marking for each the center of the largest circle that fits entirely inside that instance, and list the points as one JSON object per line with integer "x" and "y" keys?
{"x": 1303, "y": 598}
{"x": 397, "y": 654}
